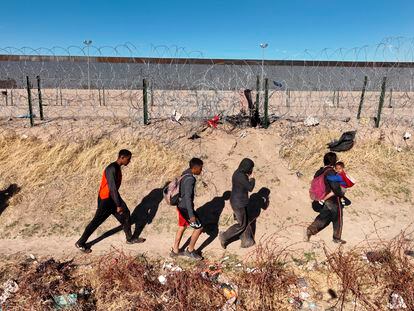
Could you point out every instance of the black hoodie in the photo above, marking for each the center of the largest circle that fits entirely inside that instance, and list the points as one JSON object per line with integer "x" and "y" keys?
{"x": 241, "y": 185}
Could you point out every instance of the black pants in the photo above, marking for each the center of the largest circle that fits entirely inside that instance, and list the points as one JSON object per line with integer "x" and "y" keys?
{"x": 237, "y": 230}
{"x": 106, "y": 208}
{"x": 330, "y": 212}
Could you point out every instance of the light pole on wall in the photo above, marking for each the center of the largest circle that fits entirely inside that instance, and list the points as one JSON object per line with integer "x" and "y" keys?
{"x": 88, "y": 44}
{"x": 263, "y": 46}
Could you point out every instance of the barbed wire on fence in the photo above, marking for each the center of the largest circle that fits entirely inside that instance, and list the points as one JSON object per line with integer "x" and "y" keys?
{"x": 107, "y": 82}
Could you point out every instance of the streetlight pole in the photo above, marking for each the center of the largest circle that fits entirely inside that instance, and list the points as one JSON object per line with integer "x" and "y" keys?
{"x": 263, "y": 46}
{"x": 88, "y": 43}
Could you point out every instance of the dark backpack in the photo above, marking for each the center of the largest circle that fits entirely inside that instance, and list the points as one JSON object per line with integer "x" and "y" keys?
{"x": 345, "y": 142}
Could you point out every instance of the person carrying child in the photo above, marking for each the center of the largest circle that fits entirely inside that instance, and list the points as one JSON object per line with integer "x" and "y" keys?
{"x": 331, "y": 211}
{"x": 343, "y": 179}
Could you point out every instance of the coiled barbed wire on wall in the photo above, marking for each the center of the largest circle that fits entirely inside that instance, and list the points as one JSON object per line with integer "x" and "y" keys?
{"x": 106, "y": 82}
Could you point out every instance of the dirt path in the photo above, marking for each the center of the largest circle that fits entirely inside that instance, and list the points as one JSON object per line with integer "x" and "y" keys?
{"x": 284, "y": 221}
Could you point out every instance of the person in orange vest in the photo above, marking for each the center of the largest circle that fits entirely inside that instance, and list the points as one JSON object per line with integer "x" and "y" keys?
{"x": 111, "y": 203}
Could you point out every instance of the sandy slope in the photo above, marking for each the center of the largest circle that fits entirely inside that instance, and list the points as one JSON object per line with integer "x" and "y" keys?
{"x": 284, "y": 221}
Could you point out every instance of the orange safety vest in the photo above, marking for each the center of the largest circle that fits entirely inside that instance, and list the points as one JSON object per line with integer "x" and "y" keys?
{"x": 104, "y": 192}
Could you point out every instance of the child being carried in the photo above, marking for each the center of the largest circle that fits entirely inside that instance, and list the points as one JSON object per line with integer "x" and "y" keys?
{"x": 343, "y": 179}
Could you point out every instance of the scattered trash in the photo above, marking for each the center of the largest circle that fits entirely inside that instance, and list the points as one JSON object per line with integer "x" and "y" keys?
{"x": 304, "y": 295}
{"x": 65, "y": 301}
{"x": 409, "y": 253}
{"x": 381, "y": 256}
{"x": 396, "y": 302}
{"x": 296, "y": 302}
{"x": 162, "y": 279}
{"x": 252, "y": 270}
{"x": 399, "y": 149}
{"x": 302, "y": 283}
{"x": 407, "y": 136}
{"x": 319, "y": 296}
{"x": 213, "y": 122}
{"x": 225, "y": 258}
{"x": 25, "y": 116}
{"x": 194, "y": 136}
{"x": 229, "y": 291}
{"x": 277, "y": 84}
{"x": 313, "y": 305}
{"x": 311, "y": 121}
{"x": 33, "y": 257}
{"x": 9, "y": 287}
{"x": 332, "y": 293}
{"x": 24, "y": 136}
{"x": 176, "y": 116}
{"x": 243, "y": 134}
{"x": 299, "y": 174}
{"x": 344, "y": 143}
{"x": 171, "y": 267}
{"x": 212, "y": 276}
{"x": 230, "y": 305}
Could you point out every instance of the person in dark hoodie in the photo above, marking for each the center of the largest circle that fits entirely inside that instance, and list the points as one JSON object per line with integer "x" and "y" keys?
{"x": 187, "y": 216}
{"x": 110, "y": 203}
{"x": 242, "y": 183}
{"x": 331, "y": 211}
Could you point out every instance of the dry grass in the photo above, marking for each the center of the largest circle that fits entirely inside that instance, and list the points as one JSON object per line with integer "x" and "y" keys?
{"x": 60, "y": 179}
{"x": 375, "y": 164}
{"x": 118, "y": 281}
{"x": 368, "y": 283}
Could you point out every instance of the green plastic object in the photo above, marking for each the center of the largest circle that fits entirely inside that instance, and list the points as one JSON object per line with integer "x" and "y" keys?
{"x": 65, "y": 301}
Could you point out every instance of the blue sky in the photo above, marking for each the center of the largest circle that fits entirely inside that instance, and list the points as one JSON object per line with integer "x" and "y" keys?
{"x": 219, "y": 29}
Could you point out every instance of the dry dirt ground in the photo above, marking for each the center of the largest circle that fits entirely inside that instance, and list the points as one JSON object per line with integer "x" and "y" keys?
{"x": 58, "y": 166}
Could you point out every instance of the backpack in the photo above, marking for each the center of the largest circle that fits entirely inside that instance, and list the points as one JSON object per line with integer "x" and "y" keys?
{"x": 171, "y": 192}
{"x": 345, "y": 142}
{"x": 317, "y": 189}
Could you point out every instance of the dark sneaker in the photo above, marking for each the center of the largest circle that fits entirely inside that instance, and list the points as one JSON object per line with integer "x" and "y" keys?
{"x": 136, "y": 240}
{"x": 339, "y": 241}
{"x": 192, "y": 255}
{"x": 83, "y": 248}
{"x": 174, "y": 254}
{"x": 222, "y": 243}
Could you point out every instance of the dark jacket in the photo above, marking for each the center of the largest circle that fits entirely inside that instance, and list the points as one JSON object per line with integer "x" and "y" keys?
{"x": 330, "y": 185}
{"x": 187, "y": 186}
{"x": 111, "y": 181}
{"x": 241, "y": 184}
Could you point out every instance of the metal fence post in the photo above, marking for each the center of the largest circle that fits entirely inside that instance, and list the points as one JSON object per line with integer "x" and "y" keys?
{"x": 100, "y": 99}
{"x": 266, "y": 104}
{"x": 361, "y": 102}
{"x": 390, "y": 102}
{"x": 337, "y": 99}
{"x": 11, "y": 97}
{"x": 288, "y": 98}
{"x": 145, "y": 98}
{"x": 39, "y": 94}
{"x": 381, "y": 102}
{"x": 256, "y": 108}
{"x": 29, "y": 99}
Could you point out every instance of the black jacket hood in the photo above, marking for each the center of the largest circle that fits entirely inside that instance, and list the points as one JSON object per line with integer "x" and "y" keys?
{"x": 246, "y": 166}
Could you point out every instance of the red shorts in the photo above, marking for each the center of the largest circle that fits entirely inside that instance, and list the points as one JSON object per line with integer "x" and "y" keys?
{"x": 182, "y": 222}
